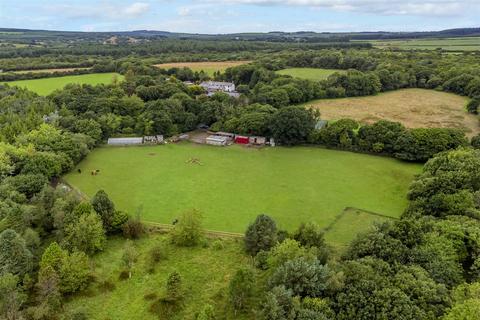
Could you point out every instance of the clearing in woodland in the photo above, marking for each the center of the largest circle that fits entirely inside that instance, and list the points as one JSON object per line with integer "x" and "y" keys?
{"x": 208, "y": 67}
{"x": 414, "y": 108}
{"x": 232, "y": 185}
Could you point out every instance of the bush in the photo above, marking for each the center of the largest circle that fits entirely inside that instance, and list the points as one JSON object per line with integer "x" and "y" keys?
{"x": 260, "y": 235}
{"x": 174, "y": 287}
{"x": 207, "y": 313}
{"x": 261, "y": 260}
{"x": 133, "y": 228}
{"x": 476, "y": 142}
{"x": 218, "y": 245}
{"x": 241, "y": 289}
{"x": 188, "y": 231}
{"x": 309, "y": 235}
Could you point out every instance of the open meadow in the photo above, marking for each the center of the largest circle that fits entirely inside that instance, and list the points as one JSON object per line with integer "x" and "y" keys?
{"x": 314, "y": 74}
{"x": 232, "y": 185}
{"x": 448, "y": 44}
{"x": 46, "y": 86}
{"x": 208, "y": 67}
{"x": 205, "y": 271}
{"x": 414, "y": 108}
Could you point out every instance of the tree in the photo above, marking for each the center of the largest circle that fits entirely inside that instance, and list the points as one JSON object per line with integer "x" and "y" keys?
{"x": 260, "y": 235}
{"x": 241, "y": 289}
{"x": 104, "y": 207}
{"x": 86, "y": 235}
{"x": 15, "y": 258}
{"x": 129, "y": 257}
{"x": 292, "y": 125}
{"x": 287, "y": 250}
{"x": 305, "y": 277}
{"x": 48, "y": 292}
{"x": 309, "y": 235}
{"x": 187, "y": 232}
{"x": 12, "y": 297}
{"x": 74, "y": 272}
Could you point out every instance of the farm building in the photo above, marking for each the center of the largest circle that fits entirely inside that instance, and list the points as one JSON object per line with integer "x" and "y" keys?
{"x": 229, "y": 135}
{"x": 213, "y": 86}
{"x": 257, "y": 140}
{"x": 125, "y": 141}
{"x": 153, "y": 139}
{"x": 216, "y": 140}
{"x": 242, "y": 140}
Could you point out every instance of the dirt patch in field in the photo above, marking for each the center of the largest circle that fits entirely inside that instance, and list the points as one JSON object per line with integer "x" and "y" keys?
{"x": 414, "y": 108}
{"x": 221, "y": 65}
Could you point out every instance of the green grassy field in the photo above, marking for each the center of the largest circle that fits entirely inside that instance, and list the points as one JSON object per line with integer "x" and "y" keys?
{"x": 209, "y": 67}
{"x": 232, "y": 185}
{"x": 46, "y": 86}
{"x": 205, "y": 272}
{"x": 314, "y": 74}
{"x": 449, "y": 44}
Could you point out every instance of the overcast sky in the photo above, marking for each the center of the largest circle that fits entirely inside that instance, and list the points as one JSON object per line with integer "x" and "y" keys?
{"x": 227, "y": 16}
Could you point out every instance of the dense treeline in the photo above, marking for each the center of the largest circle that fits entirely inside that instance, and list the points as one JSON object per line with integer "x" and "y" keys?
{"x": 425, "y": 266}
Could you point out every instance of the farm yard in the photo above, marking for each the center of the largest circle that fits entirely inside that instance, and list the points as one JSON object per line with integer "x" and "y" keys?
{"x": 133, "y": 298}
{"x": 208, "y": 67}
{"x": 232, "y": 185}
{"x": 415, "y": 108}
{"x": 314, "y": 74}
{"x": 46, "y": 86}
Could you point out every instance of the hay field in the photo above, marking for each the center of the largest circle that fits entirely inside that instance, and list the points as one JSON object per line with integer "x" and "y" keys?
{"x": 314, "y": 74}
{"x": 208, "y": 67}
{"x": 415, "y": 108}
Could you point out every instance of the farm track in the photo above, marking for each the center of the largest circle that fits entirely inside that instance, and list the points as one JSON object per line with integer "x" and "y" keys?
{"x": 162, "y": 227}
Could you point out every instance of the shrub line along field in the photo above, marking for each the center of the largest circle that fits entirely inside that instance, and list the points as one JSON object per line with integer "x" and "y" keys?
{"x": 208, "y": 67}
{"x": 46, "y": 86}
{"x": 314, "y": 74}
{"x": 448, "y": 44}
{"x": 414, "y": 108}
{"x": 232, "y": 185}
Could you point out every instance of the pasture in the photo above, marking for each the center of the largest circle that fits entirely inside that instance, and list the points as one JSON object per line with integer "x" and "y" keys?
{"x": 448, "y": 44}
{"x": 415, "y": 108}
{"x": 315, "y": 74}
{"x": 45, "y": 86}
{"x": 49, "y": 70}
{"x": 232, "y": 185}
{"x": 205, "y": 271}
{"x": 208, "y": 67}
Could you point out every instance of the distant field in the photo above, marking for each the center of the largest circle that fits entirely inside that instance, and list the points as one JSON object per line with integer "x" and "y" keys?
{"x": 314, "y": 74}
{"x": 232, "y": 185}
{"x": 450, "y": 44}
{"x": 46, "y": 86}
{"x": 415, "y": 108}
{"x": 208, "y": 67}
{"x": 205, "y": 272}
{"x": 50, "y": 70}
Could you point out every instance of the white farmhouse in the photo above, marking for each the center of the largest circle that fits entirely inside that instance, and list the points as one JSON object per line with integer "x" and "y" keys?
{"x": 213, "y": 86}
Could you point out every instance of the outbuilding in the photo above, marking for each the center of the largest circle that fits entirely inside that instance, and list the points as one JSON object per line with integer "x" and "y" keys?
{"x": 125, "y": 141}
{"x": 215, "y": 140}
{"x": 259, "y": 141}
{"x": 242, "y": 140}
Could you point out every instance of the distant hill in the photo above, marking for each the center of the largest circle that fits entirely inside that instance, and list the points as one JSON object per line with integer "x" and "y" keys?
{"x": 29, "y": 36}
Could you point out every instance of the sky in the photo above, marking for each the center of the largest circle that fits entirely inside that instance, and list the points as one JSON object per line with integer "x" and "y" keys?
{"x": 231, "y": 16}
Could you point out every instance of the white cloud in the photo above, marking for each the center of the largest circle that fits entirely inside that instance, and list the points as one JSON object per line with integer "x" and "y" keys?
{"x": 385, "y": 7}
{"x": 136, "y": 9}
{"x": 106, "y": 10}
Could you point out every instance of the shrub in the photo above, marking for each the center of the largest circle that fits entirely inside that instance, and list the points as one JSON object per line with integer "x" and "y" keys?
{"x": 218, "y": 245}
{"x": 188, "y": 231}
{"x": 207, "y": 313}
{"x": 241, "y": 289}
{"x": 174, "y": 287}
{"x": 129, "y": 257}
{"x": 133, "y": 228}
{"x": 261, "y": 260}
{"x": 260, "y": 235}
{"x": 476, "y": 142}
{"x": 106, "y": 285}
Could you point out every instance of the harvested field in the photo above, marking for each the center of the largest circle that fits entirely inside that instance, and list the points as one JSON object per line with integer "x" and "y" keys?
{"x": 208, "y": 67}
{"x": 415, "y": 108}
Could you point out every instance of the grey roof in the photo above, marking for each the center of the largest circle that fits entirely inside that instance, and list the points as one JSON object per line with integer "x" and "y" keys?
{"x": 125, "y": 141}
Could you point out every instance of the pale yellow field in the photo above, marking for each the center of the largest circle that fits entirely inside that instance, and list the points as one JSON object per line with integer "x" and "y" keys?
{"x": 415, "y": 108}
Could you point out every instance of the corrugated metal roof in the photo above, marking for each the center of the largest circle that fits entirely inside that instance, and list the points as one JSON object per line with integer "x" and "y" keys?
{"x": 125, "y": 141}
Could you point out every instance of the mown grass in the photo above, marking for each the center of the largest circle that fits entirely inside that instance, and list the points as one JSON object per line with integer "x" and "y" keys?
{"x": 46, "y": 86}
{"x": 205, "y": 270}
{"x": 232, "y": 185}
{"x": 314, "y": 74}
